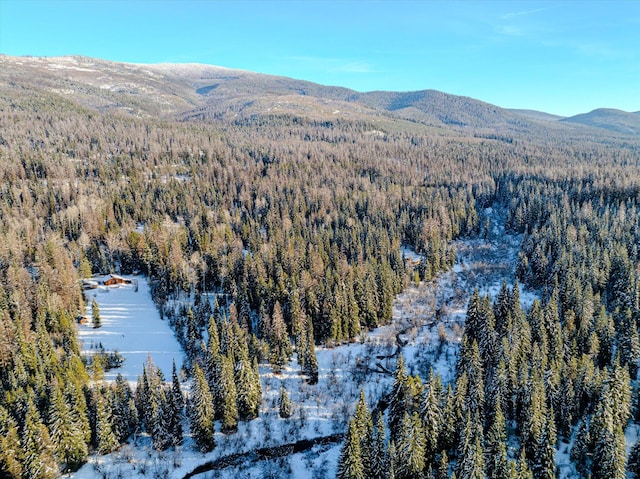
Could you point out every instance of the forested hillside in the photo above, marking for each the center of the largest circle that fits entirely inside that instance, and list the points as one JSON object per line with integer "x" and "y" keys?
{"x": 295, "y": 218}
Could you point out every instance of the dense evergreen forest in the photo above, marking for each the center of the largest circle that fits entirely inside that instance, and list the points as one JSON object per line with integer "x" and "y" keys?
{"x": 297, "y": 221}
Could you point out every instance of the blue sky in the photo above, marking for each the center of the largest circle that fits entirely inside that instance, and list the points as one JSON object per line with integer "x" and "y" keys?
{"x": 561, "y": 57}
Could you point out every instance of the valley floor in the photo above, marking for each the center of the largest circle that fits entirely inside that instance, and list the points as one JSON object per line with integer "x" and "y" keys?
{"x": 428, "y": 340}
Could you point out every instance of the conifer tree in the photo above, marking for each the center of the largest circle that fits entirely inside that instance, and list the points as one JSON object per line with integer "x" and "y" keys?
{"x": 447, "y": 437}
{"x": 398, "y": 400}
{"x": 78, "y": 405}
{"x": 96, "y": 320}
{"x": 378, "y": 454}
{"x": 496, "y": 446}
{"x": 123, "y": 411}
{"x": 628, "y": 341}
{"x": 228, "y": 395}
{"x": 543, "y": 464}
{"x": 106, "y": 440}
{"x": 142, "y": 397}
{"x": 458, "y": 413}
{"x": 310, "y": 367}
{"x": 432, "y": 418}
{"x": 618, "y": 392}
{"x": 534, "y": 419}
{"x": 161, "y": 437}
{"x": 502, "y": 310}
{"x": 11, "y": 452}
{"x": 68, "y": 441}
{"x": 284, "y": 403}
{"x": 298, "y": 317}
{"x": 442, "y": 472}
{"x": 350, "y": 462}
{"x": 176, "y": 407}
{"x": 410, "y": 447}
{"x": 522, "y": 470}
{"x": 246, "y": 404}
{"x": 225, "y": 335}
{"x": 364, "y": 423}
{"x": 609, "y": 455}
{"x": 280, "y": 346}
{"x": 37, "y": 449}
{"x": 193, "y": 336}
{"x": 201, "y": 412}
{"x": 392, "y": 461}
{"x": 213, "y": 345}
{"x": 471, "y": 463}
{"x": 254, "y": 397}
{"x": 470, "y": 364}
{"x": 582, "y": 449}
{"x": 384, "y": 278}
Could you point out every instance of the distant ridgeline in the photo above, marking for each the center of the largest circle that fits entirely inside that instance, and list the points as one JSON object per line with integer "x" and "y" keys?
{"x": 294, "y": 216}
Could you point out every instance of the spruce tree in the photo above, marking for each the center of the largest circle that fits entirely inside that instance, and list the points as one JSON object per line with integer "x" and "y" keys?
{"x": 471, "y": 463}
{"x": 502, "y": 310}
{"x": 398, "y": 399}
{"x": 522, "y": 470}
{"x": 123, "y": 416}
{"x": 350, "y": 462}
{"x": 280, "y": 346}
{"x": 364, "y": 423}
{"x": 628, "y": 341}
{"x": 442, "y": 472}
{"x": 448, "y": 429}
{"x": 79, "y": 411}
{"x": 96, "y": 320}
{"x": 228, "y": 395}
{"x": 432, "y": 418}
{"x": 582, "y": 450}
{"x": 310, "y": 367}
{"x": 378, "y": 454}
{"x": 38, "y": 451}
{"x": 609, "y": 455}
{"x": 106, "y": 440}
{"x": 535, "y": 413}
{"x": 68, "y": 441}
{"x": 618, "y": 393}
{"x": 11, "y": 452}
{"x": 284, "y": 403}
{"x": 543, "y": 464}
{"x": 161, "y": 437}
{"x": 201, "y": 412}
{"x": 470, "y": 364}
{"x": 410, "y": 447}
{"x": 176, "y": 408}
{"x": 496, "y": 447}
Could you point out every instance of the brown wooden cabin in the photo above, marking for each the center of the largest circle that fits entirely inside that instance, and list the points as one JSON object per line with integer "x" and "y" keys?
{"x": 115, "y": 279}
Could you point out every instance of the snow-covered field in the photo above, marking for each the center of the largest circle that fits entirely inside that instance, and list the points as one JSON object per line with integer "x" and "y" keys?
{"x": 132, "y": 326}
{"x": 324, "y": 409}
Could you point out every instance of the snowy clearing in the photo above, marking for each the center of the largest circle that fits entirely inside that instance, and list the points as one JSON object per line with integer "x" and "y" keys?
{"x": 132, "y": 326}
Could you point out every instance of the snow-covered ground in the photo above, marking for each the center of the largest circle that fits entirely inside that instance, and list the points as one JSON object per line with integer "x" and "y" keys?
{"x": 132, "y": 326}
{"x": 432, "y": 341}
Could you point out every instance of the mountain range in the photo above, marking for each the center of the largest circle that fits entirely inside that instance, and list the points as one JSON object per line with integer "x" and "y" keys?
{"x": 201, "y": 92}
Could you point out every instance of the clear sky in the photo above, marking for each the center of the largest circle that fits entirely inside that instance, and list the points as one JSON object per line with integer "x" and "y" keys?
{"x": 561, "y": 57}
